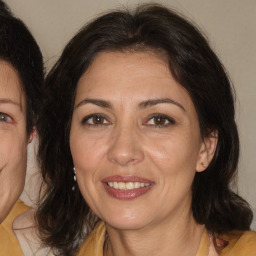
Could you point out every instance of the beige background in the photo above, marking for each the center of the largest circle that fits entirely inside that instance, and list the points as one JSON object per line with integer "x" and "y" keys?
{"x": 230, "y": 26}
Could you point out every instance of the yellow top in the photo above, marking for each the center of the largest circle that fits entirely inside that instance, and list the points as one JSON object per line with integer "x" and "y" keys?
{"x": 9, "y": 245}
{"x": 239, "y": 243}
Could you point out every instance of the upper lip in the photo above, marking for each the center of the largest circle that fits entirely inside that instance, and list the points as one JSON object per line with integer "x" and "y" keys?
{"x": 118, "y": 178}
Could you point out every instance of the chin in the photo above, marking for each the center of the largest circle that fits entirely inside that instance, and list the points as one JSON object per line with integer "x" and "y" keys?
{"x": 126, "y": 221}
{"x": 132, "y": 225}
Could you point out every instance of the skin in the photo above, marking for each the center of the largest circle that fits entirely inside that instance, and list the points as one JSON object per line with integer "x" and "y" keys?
{"x": 13, "y": 137}
{"x": 158, "y": 141}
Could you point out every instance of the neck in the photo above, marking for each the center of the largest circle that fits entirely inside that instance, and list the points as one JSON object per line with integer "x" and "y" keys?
{"x": 178, "y": 237}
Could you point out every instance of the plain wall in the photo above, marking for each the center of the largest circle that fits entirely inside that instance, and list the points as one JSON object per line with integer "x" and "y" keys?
{"x": 230, "y": 26}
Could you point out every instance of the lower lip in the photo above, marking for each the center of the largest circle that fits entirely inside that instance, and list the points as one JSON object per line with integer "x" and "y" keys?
{"x": 126, "y": 194}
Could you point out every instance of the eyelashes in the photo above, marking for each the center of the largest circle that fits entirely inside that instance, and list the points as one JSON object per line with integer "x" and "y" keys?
{"x": 155, "y": 120}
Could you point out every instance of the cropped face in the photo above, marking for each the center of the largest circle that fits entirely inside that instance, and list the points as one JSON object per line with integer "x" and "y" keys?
{"x": 135, "y": 141}
{"x": 13, "y": 137}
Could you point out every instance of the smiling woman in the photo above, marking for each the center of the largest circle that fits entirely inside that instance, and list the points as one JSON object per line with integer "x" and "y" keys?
{"x": 21, "y": 79}
{"x": 129, "y": 147}
{"x": 140, "y": 113}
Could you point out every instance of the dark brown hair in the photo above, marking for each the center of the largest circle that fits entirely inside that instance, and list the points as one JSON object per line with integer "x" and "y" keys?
{"x": 64, "y": 217}
{"x": 19, "y": 48}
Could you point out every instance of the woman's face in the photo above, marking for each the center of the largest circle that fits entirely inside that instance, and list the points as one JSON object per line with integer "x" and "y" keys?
{"x": 135, "y": 141}
{"x": 13, "y": 138}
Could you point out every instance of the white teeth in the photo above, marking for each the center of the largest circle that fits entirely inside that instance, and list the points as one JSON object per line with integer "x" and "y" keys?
{"x": 130, "y": 185}
{"x": 136, "y": 184}
{"x": 121, "y": 185}
{"x": 115, "y": 185}
{"x": 127, "y": 185}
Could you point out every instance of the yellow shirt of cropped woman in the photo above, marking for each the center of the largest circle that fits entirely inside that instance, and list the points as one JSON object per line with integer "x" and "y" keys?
{"x": 9, "y": 245}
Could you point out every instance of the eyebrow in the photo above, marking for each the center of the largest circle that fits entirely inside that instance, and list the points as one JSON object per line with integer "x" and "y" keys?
{"x": 153, "y": 102}
{"x": 142, "y": 105}
{"x": 97, "y": 102}
{"x": 8, "y": 101}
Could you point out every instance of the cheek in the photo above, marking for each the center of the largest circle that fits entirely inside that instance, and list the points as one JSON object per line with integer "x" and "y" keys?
{"x": 13, "y": 160}
{"x": 88, "y": 157}
{"x": 87, "y": 154}
{"x": 174, "y": 161}
{"x": 174, "y": 153}
{"x": 13, "y": 149}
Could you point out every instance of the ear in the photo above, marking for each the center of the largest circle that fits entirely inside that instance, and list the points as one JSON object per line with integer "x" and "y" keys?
{"x": 32, "y": 135}
{"x": 207, "y": 151}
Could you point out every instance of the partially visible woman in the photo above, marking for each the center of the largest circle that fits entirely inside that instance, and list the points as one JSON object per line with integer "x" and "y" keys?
{"x": 140, "y": 112}
{"x": 21, "y": 80}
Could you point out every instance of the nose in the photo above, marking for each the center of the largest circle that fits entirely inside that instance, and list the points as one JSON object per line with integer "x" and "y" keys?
{"x": 125, "y": 147}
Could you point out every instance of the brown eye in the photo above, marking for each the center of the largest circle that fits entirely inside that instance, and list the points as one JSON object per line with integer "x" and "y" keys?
{"x": 160, "y": 120}
{"x": 95, "y": 120}
{"x": 98, "y": 119}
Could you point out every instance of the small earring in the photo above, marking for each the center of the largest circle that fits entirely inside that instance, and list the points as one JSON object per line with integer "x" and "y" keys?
{"x": 74, "y": 169}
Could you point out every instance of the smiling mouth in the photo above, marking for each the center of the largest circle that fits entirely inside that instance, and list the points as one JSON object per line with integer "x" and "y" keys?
{"x": 127, "y": 185}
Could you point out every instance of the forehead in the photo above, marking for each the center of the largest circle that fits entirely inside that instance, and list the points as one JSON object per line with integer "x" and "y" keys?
{"x": 124, "y": 75}
{"x": 10, "y": 84}
{"x": 127, "y": 64}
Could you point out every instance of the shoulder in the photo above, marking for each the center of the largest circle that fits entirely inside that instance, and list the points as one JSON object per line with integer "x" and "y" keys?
{"x": 26, "y": 232}
{"x": 17, "y": 209}
{"x": 9, "y": 244}
{"x": 93, "y": 244}
{"x": 240, "y": 243}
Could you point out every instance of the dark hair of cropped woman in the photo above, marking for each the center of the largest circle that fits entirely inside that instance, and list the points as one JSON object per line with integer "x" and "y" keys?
{"x": 64, "y": 217}
{"x": 19, "y": 48}
{"x": 4, "y": 10}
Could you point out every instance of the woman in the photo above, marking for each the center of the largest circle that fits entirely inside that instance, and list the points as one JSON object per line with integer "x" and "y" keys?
{"x": 140, "y": 113}
{"x": 21, "y": 79}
